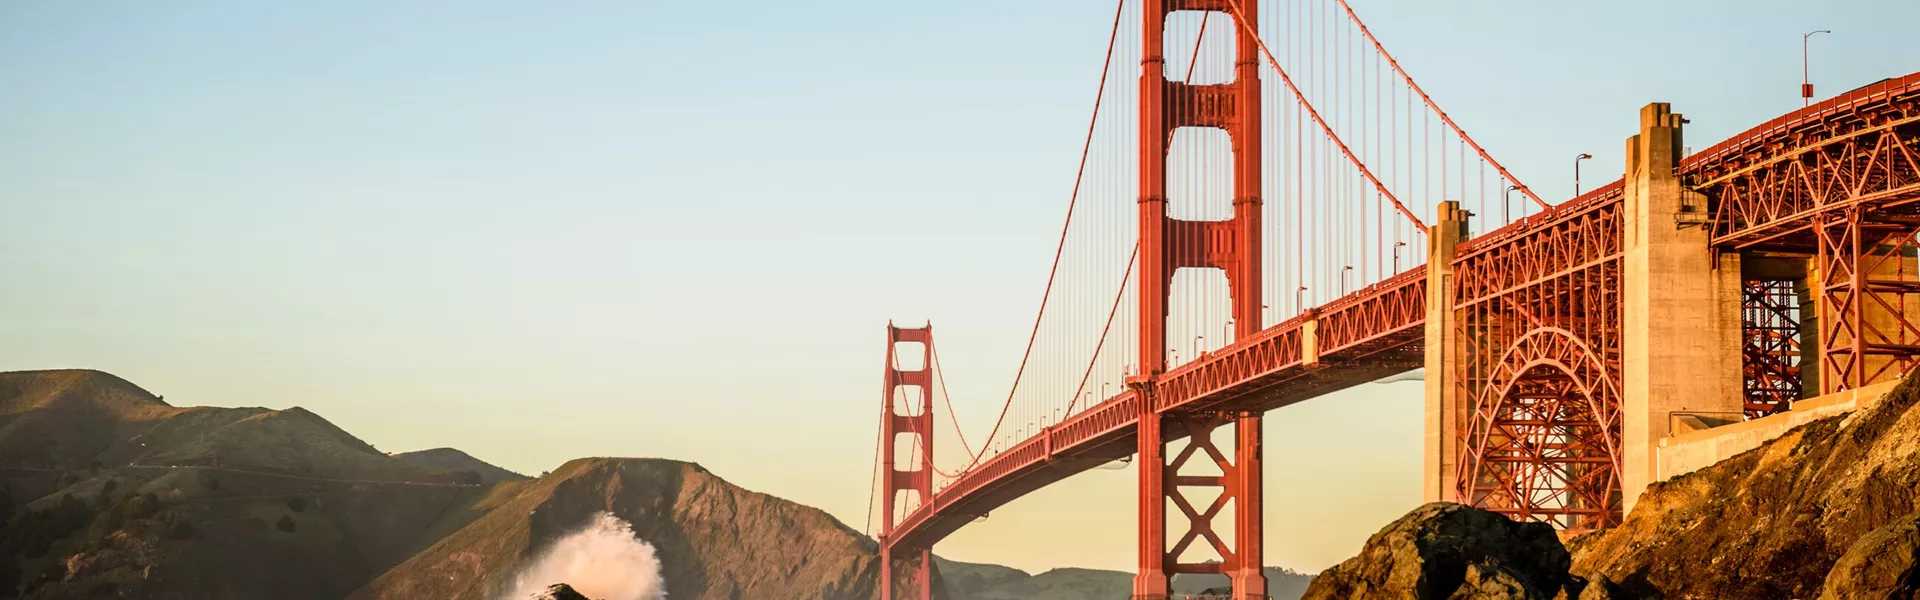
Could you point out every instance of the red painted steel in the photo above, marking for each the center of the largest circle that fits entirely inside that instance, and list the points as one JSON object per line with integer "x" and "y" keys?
{"x": 1537, "y": 311}
{"x": 900, "y": 420}
{"x": 1770, "y": 350}
{"x": 1558, "y": 270}
{"x": 1539, "y": 316}
{"x": 1168, "y": 245}
{"x": 1838, "y": 182}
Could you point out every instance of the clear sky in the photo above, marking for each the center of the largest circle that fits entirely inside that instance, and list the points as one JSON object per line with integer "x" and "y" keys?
{"x": 537, "y": 231}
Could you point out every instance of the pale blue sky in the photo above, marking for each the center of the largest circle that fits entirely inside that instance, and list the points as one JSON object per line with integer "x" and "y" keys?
{"x": 542, "y": 231}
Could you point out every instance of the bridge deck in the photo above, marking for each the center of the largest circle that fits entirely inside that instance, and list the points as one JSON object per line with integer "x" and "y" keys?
{"x": 1370, "y": 334}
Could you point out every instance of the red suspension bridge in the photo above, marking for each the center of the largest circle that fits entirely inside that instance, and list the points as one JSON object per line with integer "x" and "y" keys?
{"x": 1273, "y": 210}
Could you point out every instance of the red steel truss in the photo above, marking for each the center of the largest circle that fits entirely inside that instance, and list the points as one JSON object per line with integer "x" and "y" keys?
{"x": 1836, "y": 183}
{"x": 1770, "y": 355}
{"x": 1865, "y": 288}
{"x": 1538, "y": 311}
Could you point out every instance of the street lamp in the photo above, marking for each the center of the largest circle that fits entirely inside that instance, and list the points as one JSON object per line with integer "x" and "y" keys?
{"x": 1343, "y": 279}
{"x": 1506, "y": 204}
{"x": 1228, "y": 331}
{"x": 1576, "y": 173}
{"x": 1396, "y": 256}
{"x": 1806, "y": 85}
{"x": 1300, "y": 298}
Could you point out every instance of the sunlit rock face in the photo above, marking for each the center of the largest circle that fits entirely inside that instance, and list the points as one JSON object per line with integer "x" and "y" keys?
{"x": 1445, "y": 551}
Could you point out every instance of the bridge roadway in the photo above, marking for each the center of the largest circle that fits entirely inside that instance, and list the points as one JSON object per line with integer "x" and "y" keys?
{"x": 1378, "y": 331}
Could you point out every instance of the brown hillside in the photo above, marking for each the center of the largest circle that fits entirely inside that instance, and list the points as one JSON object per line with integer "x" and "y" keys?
{"x": 715, "y": 540}
{"x": 68, "y": 418}
{"x": 81, "y": 419}
{"x": 117, "y": 491}
{"x": 214, "y": 534}
{"x": 449, "y": 459}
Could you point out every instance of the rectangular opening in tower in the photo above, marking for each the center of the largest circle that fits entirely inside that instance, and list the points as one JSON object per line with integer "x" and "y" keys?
{"x": 1200, "y": 47}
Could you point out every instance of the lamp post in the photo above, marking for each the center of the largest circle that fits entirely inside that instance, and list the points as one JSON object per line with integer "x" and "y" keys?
{"x": 1806, "y": 84}
{"x": 1300, "y": 298}
{"x": 1343, "y": 279}
{"x": 1396, "y": 256}
{"x": 1506, "y": 204}
{"x": 1576, "y": 173}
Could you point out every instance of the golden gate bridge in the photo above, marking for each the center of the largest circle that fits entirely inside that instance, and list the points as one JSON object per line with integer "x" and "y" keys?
{"x": 1268, "y": 208}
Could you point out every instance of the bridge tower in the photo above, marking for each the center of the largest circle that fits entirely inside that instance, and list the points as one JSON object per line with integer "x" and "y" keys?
{"x": 910, "y": 415}
{"x": 1167, "y": 245}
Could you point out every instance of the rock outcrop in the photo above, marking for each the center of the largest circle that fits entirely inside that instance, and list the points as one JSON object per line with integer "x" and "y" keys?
{"x": 1445, "y": 551}
{"x": 1827, "y": 509}
{"x": 560, "y": 591}
{"x": 1880, "y": 565}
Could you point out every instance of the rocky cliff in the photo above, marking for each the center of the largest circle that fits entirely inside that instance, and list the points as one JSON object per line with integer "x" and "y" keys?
{"x": 1826, "y": 511}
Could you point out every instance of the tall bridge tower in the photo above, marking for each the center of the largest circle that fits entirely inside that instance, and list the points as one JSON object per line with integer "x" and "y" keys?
{"x": 1167, "y": 245}
{"x": 908, "y": 411}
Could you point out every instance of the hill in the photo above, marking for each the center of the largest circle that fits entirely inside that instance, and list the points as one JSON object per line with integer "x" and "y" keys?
{"x": 449, "y": 459}
{"x": 714, "y": 540}
{"x": 82, "y": 419}
{"x": 109, "y": 489}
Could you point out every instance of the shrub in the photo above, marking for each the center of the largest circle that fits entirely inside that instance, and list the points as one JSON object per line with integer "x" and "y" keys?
{"x": 179, "y": 529}
{"x": 39, "y": 529}
{"x": 143, "y": 506}
{"x": 284, "y": 524}
{"x": 297, "y": 504}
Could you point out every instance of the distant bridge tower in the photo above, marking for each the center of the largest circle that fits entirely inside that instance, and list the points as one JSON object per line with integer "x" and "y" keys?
{"x": 911, "y": 415}
{"x": 1167, "y": 245}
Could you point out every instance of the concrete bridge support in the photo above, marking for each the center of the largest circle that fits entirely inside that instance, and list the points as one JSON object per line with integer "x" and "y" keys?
{"x": 1681, "y": 328}
{"x": 1445, "y": 405}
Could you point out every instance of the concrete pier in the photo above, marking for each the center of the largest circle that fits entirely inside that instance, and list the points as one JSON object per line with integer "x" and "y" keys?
{"x": 1440, "y": 466}
{"x": 1681, "y": 331}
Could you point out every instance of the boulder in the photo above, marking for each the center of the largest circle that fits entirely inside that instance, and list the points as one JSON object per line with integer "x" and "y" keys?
{"x": 1880, "y": 565}
{"x": 1447, "y": 551}
{"x": 559, "y": 591}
